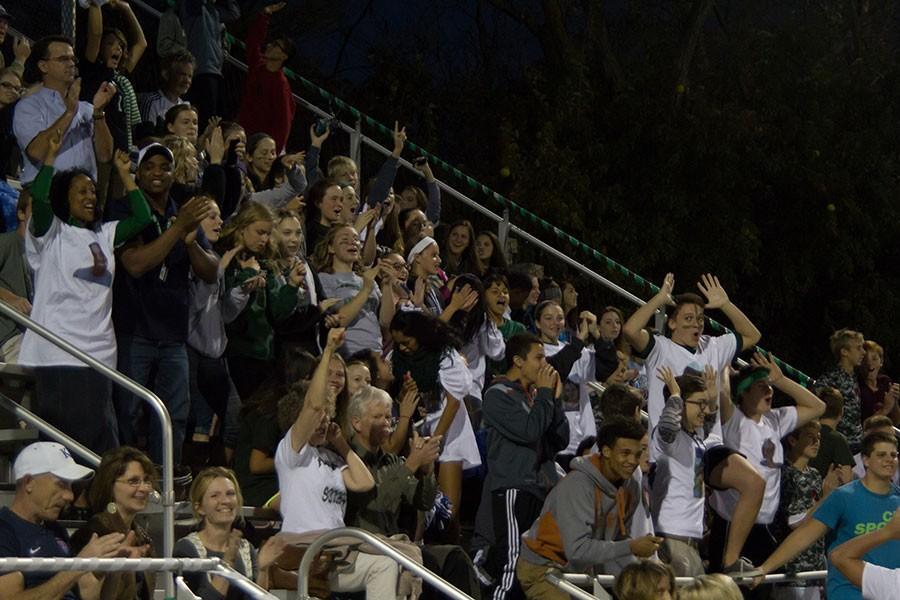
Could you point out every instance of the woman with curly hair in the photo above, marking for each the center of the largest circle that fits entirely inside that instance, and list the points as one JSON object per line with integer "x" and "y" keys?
{"x": 273, "y": 297}
{"x": 427, "y": 349}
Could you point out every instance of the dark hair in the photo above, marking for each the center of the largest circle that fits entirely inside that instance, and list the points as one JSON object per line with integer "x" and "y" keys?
{"x": 550, "y": 291}
{"x": 113, "y": 465}
{"x": 468, "y": 260}
{"x": 682, "y": 300}
{"x": 618, "y": 401}
{"x": 314, "y": 195}
{"x": 119, "y": 35}
{"x": 365, "y": 357}
{"x": 432, "y": 334}
{"x": 498, "y": 256}
{"x": 876, "y": 437}
{"x": 834, "y": 402}
{"x": 520, "y": 345}
{"x": 178, "y": 57}
{"x": 286, "y": 45}
{"x": 59, "y": 193}
{"x": 618, "y": 428}
{"x": 542, "y": 306}
{"x": 468, "y": 323}
{"x": 585, "y": 444}
{"x": 492, "y": 277}
{"x": 877, "y": 422}
{"x": 689, "y": 384}
{"x": 290, "y": 405}
{"x": 39, "y": 52}
{"x": 519, "y": 280}
{"x": 176, "y": 110}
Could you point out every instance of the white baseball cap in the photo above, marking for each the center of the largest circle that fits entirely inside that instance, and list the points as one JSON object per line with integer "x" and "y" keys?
{"x": 49, "y": 457}
{"x": 154, "y": 149}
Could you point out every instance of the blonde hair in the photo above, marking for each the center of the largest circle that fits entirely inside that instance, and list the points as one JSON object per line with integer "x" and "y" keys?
{"x": 339, "y": 166}
{"x": 841, "y": 339}
{"x": 201, "y": 483}
{"x": 250, "y": 212}
{"x": 322, "y": 259}
{"x": 711, "y": 587}
{"x": 182, "y": 149}
{"x": 640, "y": 580}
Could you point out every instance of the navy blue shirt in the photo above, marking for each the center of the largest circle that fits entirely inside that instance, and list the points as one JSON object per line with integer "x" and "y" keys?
{"x": 22, "y": 539}
{"x": 155, "y": 305}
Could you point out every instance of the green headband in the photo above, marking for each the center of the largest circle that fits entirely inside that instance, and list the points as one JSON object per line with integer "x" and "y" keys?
{"x": 752, "y": 377}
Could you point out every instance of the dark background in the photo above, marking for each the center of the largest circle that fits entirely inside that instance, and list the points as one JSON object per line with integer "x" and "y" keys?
{"x": 754, "y": 140}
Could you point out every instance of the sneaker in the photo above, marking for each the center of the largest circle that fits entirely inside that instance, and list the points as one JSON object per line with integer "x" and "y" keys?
{"x": 742, "y": 568}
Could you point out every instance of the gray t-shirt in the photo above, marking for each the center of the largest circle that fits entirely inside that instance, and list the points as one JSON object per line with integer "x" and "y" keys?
{"x": 14, "y": 276}
{"x": 363, "y": 332}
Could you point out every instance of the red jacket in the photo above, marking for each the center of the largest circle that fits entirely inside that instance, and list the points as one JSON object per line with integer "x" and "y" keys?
{"x": 267, "y": 104}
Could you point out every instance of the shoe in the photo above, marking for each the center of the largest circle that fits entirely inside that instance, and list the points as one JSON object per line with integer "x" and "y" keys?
{"x": 742, "y": 568}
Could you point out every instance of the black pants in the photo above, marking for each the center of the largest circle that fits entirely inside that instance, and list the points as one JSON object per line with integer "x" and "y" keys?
{"x": 514, "y": 512}
{"x": 760, "y": 544}
{"x": 78, "y": 401}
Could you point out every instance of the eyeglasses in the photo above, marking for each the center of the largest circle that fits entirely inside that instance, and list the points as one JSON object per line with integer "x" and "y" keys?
{"x": 397, "y": 265}
{"x": 137, "y": 482}
{"x": 63, "y": 59}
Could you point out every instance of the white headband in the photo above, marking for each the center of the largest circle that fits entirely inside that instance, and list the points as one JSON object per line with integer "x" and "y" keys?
{"x": 419, "y": 248}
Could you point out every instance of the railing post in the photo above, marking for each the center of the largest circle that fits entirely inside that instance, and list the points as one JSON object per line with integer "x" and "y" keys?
{"x": 67, "y": 18}
{"x": 659, "y": 320}
{"x": 503, "y": 231}
{"x": 356, "y": 146}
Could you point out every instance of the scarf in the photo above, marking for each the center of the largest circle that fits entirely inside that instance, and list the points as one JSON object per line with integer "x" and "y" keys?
{"x": 129, "y": 105}
{"x": 423, "y": 366}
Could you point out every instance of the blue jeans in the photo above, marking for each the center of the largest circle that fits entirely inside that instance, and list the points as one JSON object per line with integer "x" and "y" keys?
{"x": 139, "y": 358}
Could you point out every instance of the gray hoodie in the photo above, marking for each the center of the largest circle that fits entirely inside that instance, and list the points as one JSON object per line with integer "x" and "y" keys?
{"x": 585, "y": 523}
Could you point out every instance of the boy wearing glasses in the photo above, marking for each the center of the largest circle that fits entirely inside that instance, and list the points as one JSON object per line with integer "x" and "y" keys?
{"x": 679, "y": 442}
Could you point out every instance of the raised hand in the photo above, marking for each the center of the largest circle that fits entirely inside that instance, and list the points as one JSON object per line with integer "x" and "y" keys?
{"x": 22, "y": 49}
{"x": 73, "y": 94}
{"x": 336, "y": 338}
{"x": 711, "y": 379}
{"x": 425, "y": 169}
{"x": 423, "y": 452}
{"x": 665, "y": 291}
{"x": 53, "y": 144}
{"x": 298, "y": 274}
{"x": 274, "y": 8}
{"x": 369, "y": 276}
{"x": 122, "y": 162}
{"x": 215, "y": 147}
{"x": 289, "y": 160}
{"x": 665, "y": 375}
{"x": 464, "y": 298}
{"x": 399, "y": 139}
{"x": 270, "y": 552}
{"x": 318, "y": 140}
{"x": 192, "y": 213}
{"x": 409, "y": 397}
{"x": 768, "y": 362}
{"x": 104, "y": 94}
{"x": 709, "y": 286}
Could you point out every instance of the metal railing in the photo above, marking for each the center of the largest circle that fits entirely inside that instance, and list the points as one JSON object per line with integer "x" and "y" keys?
{"x": 313, "y": 550}
{"x": 213, "y": 566}
{"x": 168, "y": 490}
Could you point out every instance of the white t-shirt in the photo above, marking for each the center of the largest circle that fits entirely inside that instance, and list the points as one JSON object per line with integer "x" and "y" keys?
{"x": 716, "y": 351}
{"x": 581, "y": 422}
{"x": 761, "y": 444}
{"x": 678, "y": 493}
{"x": 69, "y": 299}
{"x": 487, "y": 343}
{"x": 880, "y": 583}
{"x": 459, "y": 441}
{"x": 313, "y": 494}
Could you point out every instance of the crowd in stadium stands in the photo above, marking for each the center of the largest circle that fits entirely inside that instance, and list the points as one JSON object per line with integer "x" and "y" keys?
{"x": 362, "y": 363}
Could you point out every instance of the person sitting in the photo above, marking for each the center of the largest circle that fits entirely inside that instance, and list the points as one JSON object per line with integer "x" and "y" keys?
{"x": 45, "y": 473}
{"x": 315, "y": 480}
{"x": 585, "y": 522}
{"x": 216, "y": 503}
{"x": 119, "y": 492}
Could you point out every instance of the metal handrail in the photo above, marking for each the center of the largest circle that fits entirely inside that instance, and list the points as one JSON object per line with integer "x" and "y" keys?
{"x": 49, "y": 430}
{"x": 312, "y": 551}
{"x": 215, "y": 566}
{"x": 168, "y": 489}
{"x": 608, "y": 580}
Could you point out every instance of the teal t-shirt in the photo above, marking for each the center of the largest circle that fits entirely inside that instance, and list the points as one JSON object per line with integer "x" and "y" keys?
{"x": 853, "y": 510}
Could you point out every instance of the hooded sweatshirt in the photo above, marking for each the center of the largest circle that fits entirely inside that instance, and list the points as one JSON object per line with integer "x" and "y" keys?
{"x": 585, "y": 523}
{"x": 524, "y": 433}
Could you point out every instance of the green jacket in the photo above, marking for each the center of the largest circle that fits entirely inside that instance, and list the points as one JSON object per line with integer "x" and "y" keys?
{"x": 378, "y": 509}
{"x": 251, "y": 334}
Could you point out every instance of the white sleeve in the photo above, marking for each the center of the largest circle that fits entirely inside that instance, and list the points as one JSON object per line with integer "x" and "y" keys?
{"x": 726, "y": 349}
{"x": 285, "y": 455}
{"x": 454, "y": 375}
{"x": 492, "y": 343}
{"x": 34, "y": 245}
{"x": 583, "y": 369}
{"x": 787, "y": 420}
{"x": 880, "y": 583}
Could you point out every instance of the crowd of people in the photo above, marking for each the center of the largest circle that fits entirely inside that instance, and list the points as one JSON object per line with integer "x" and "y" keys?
{"x": 364, "y": 364}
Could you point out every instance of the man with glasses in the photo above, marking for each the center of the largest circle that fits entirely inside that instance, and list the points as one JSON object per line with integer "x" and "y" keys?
{"x": 45, "y": 473}
{"x": 55, "y": 106}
